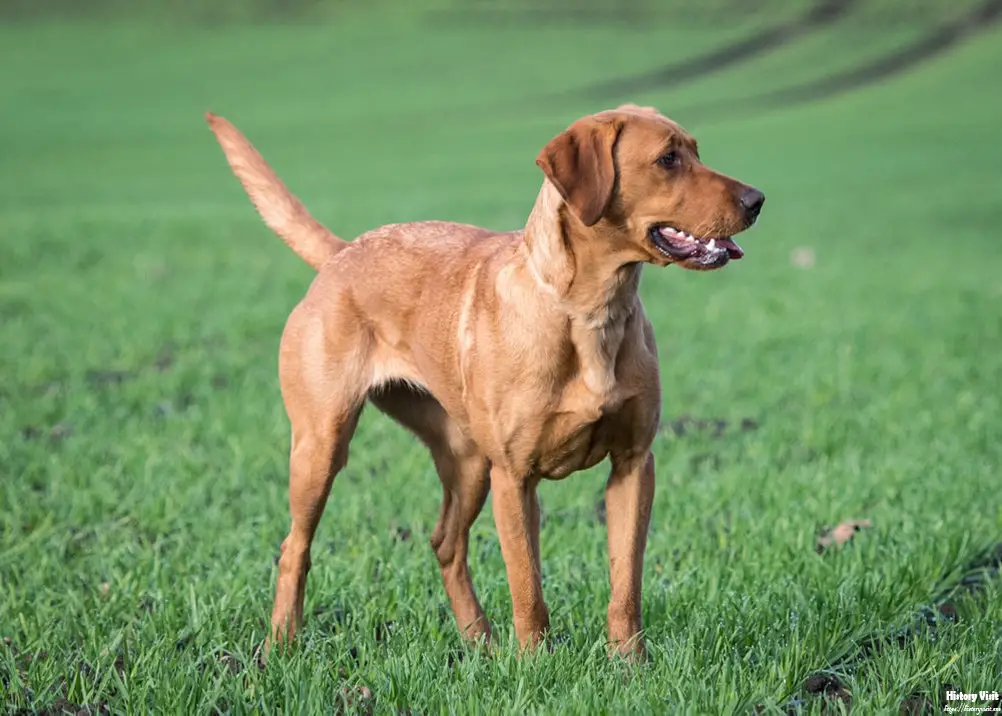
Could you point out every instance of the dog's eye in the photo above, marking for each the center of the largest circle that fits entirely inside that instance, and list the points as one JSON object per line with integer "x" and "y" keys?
{"x": 668, "y": 159}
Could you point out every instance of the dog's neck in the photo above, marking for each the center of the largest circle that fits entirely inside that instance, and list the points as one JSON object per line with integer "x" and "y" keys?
{"x": 576, "y": 265}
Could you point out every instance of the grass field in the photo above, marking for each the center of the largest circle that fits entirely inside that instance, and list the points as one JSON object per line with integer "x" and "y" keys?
{"x": 848, "y": 368}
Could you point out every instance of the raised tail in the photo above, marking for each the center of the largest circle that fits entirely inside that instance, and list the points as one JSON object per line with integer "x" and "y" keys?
{"x": 281, "y": 210}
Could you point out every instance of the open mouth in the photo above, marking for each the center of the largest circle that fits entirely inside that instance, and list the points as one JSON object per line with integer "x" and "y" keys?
{"x": 679, "y": 245}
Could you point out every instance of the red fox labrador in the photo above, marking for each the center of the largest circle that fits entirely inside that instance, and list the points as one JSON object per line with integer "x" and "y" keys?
{"x": 514, "y": 357}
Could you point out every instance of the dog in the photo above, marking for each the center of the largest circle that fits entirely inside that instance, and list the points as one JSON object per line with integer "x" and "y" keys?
{"x": 513, "y": 356}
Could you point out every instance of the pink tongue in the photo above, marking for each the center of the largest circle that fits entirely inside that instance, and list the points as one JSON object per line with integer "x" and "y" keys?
{"x": 732, "y": 248}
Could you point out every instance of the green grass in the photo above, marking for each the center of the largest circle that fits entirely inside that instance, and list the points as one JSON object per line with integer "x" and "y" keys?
{"x": 143, "y": 442}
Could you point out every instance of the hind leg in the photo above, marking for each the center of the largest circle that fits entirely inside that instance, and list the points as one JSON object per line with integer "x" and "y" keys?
{"x": 324, "y": 392}
{"x": 465, "y": 485}
{"x": 464, "y": 473}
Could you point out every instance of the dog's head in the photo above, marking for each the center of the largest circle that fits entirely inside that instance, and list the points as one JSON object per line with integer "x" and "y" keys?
{"x": 640, "y": 172}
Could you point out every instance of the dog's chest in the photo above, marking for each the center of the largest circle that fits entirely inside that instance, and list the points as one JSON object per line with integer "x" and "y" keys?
{"x": 577, "y": 433}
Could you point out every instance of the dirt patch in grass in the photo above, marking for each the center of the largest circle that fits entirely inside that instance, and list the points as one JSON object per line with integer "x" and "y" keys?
{"x": 59, "y": 707}
{"x": 689, "y": 426}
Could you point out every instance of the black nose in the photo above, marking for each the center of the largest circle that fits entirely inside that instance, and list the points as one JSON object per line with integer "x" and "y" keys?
{"x": 751, "y": 202}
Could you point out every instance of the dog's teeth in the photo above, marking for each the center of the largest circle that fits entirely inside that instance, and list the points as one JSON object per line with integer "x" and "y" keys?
{"x": 712, "y": 245}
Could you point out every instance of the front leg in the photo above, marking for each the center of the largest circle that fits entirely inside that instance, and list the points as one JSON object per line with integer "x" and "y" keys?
{"x": 628, "y": 497}
{"x": 516, "y": 514}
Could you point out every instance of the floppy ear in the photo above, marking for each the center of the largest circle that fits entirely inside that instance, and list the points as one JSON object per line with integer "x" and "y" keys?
{"x": 580, "y": 165}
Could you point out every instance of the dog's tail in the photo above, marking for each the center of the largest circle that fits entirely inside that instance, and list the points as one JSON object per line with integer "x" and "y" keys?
{"x": 281, "y": 210}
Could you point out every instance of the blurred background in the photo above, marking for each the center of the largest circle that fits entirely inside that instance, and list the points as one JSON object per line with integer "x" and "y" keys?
{"x": 848, "y": 366}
